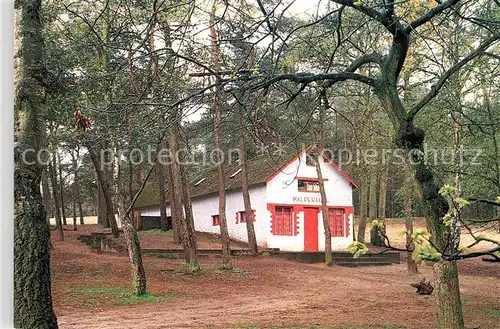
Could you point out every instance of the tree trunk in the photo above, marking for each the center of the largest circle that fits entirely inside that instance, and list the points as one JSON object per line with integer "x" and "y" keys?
{"x": 76, "y": 183}
{"x": 375, "y": 238}
{"x": 447, "y": 290}
{"x": 408, "y": 188}
{"x": 61, "y": 187}
{"x": 189, "y": 228}
{"x": 106, "y": 192}
{"x": 47, "y": 202}
{"x": 134, "y": 253}
{"x": 324, "y": 212}
{"x": 55, "y": 193}
{"x": 411, "y": 139}
{"x": 180, "y": 196}
{"x": 101, "y": 204}
{"x": 80, "y": 211}
{"x": 226, "y": 249}
{"x": 138, "y": 275}
{"x": 32, "y": 284}
{"x": 160, "y": 170}
{"x": 74, "y": 217}
{"x": 362, "y": 212}
{"x": 382, "y": 201}
{"x": 372, "y": 195}
{"x": 175, "y": 206}
{"x": 448, "y": 299}
{"x": 252, "y": 240}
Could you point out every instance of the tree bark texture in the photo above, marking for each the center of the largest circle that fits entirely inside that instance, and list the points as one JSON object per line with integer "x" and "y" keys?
{"x": 175, "y": 205}
{"x": 382, "y": 196}
{"x": 252, "y": 240}
{"x": 61, "y": 188}
{"x": 181, "y": 194}
{"x": 189, "y": 228}
{"x": 324, "y": 211}
{"x": 217, "y": 120}
{"x": 55, "y": 194}
{"x": 106, "y": 192}
{"x": 139, "y": 284}
{"x": 411, "y": 264}
{"x": 32, "y": 282}
{"x": 47, "y": 201}
{"x": 363, "y": 212}
{"x": 160, "y": 170}
{"x": 449, "y": 304}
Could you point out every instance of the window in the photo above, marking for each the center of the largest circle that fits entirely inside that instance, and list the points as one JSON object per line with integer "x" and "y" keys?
{"x": 215, "y": 220}
{"x": 310, "y": 159}
{"x": 336, "y": 221}
{"x": 327, "y": 155}
{"x": 283, "y": 221}
{"x": 308, "y": 185}
{"x": 241, "y": 216}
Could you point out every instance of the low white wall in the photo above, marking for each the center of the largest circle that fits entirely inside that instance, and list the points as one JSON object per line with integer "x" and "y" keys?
{"x": 88, "y": 220}
{"x": 204, "y": 208}
{"x": 338, "y": 243}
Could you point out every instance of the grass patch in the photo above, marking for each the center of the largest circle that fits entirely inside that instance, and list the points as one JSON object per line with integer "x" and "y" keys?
{"x": 466, "y": 299}
{"x": 398, "y": 219}
{"x": 493, "y": 314}
{"x": 133, "y": 299}
{"x": 123, "y": 296}
{"x": 158, "y": 232}
{"x": 102, "y": 291}
{"x": 205, "y": 271}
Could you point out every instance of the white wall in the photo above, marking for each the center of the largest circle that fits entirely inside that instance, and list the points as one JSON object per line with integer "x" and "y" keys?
{"x": 284, "y": 187}
{"x": 204, "y": 208}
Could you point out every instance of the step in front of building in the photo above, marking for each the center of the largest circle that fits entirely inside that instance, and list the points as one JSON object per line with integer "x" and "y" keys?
{"x": 341, "y": 257}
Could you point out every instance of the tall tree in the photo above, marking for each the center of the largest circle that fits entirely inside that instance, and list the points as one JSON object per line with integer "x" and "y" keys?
{"x": 55, "y": 195}
{"x": 408, "y": 197}
{"x": 217, "y": 116}
{"x": 249, "y": 215}
{"x": 384, "y": 82}
{"x": 32, "y": 283}
{"x": 363, "y": 212}
{"x": 61, "y": 188}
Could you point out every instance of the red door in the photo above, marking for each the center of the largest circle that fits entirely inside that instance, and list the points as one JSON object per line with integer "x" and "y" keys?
{"x": 310, "y": 229}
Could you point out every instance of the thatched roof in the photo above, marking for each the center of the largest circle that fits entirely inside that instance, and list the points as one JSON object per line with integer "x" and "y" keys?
{"x": 259, "y": 170}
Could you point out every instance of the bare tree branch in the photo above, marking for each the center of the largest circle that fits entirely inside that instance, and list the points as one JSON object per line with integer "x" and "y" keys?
{"x": 430, "y": 15}
{"x": 455, "y": 68}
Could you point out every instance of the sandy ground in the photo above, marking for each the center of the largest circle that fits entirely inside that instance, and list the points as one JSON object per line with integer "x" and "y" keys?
{"x": 263, "y": 292}
{"x": 394, "y": 229}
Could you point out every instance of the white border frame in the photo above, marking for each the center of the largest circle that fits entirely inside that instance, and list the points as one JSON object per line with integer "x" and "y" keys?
{"x": 7, "y": 164}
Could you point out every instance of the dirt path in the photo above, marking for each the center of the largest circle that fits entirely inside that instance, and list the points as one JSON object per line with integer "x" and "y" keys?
{"x": 268, "y": 292}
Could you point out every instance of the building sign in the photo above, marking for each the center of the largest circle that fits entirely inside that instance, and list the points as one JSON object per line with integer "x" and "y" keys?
{"x": 306, "y": 199}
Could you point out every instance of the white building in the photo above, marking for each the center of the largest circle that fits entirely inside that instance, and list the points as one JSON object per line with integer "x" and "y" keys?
{"x": 285, "y": 199}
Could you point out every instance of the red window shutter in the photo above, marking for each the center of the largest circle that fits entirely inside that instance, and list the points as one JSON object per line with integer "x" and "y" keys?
{"x": 283, "y": 221}
{"x": 336, "y": 221}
